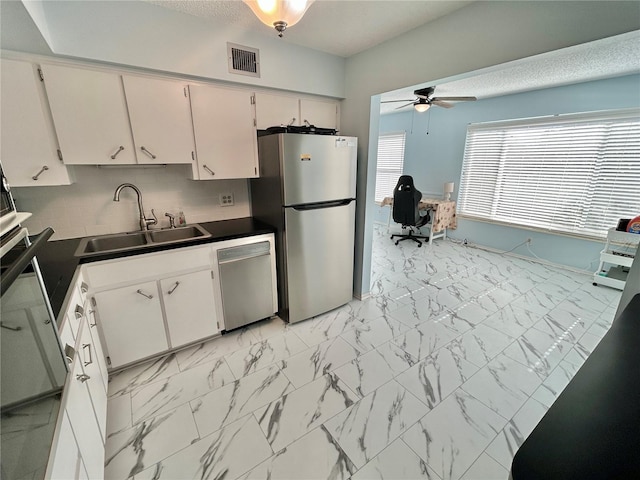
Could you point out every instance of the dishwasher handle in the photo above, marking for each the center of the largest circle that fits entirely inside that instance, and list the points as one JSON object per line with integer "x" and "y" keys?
{"x": 243, "y": 252}
{"x": 239, "y": 259}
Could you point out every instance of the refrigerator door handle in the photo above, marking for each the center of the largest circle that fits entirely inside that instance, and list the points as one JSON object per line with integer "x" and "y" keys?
{"x": 315, "y": 206}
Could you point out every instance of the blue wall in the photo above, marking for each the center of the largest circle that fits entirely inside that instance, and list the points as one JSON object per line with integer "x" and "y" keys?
{"x": 435, "y": 146}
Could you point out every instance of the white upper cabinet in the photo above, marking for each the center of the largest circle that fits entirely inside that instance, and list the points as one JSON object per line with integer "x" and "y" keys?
{"x": 28, "y": 140}
{"x": 90, "y": 116}
{"x": 225, "y": 133}
{"x": 319, "y": 113}
{"x": 275, "y": 110}
{"x": 160, "y": 119}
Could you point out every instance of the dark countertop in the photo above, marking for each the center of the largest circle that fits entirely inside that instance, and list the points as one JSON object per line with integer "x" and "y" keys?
{"x": 592, "y": 431}
{"x": 58, "y": 263}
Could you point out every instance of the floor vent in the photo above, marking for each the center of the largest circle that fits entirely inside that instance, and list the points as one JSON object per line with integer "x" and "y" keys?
{"x": 243, "y": 60}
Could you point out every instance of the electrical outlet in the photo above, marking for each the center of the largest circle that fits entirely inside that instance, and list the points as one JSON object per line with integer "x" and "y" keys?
{"x": 226, "y": 199}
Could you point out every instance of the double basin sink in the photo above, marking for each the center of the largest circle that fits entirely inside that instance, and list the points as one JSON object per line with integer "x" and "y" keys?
{"x": 122, "y": 242}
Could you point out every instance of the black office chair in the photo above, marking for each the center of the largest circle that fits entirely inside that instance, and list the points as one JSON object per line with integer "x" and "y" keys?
{"x": 405, "y": 209}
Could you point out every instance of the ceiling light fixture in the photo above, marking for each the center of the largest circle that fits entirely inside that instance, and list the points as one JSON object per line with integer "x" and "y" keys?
{"x": 279, "y": 14}
{"x": 422, "y": 105}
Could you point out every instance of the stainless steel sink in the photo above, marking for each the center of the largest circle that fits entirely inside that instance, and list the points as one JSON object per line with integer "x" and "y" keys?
{"x": 123, "y": 242}
{"x": 176, "y": 234}
{"x": 115, "y": 242}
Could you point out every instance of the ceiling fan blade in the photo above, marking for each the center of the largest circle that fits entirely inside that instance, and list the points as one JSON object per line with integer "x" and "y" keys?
{"x": 405, "y": 105}
{"x": 392, "y": 101}
{"x": 440, "y": 103}
{"x": 456, "y": 99}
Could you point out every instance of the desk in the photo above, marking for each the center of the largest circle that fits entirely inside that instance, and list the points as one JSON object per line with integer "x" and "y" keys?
{"x": 442, "y": 217}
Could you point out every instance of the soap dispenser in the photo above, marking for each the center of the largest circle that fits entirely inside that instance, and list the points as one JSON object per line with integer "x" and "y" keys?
{"x": 180, "y": 220}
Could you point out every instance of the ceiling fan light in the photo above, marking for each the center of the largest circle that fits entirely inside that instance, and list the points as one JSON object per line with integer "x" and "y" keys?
{"x": 421, "y": 107}
{"x": 279, "y": 14}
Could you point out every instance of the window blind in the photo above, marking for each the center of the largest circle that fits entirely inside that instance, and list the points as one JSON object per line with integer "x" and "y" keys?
{"x": 574, "y": 174}
{"x": 390, "y": 163}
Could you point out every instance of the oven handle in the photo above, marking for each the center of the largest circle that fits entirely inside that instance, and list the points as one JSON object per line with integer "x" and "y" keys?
{"x": 23, "y": 260}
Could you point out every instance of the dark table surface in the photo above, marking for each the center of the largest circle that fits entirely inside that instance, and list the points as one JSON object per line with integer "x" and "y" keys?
{"x": 58, "y": 263}
{"x": 592, "y": 431}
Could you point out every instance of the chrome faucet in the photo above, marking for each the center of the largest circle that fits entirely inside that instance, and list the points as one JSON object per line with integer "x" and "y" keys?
{"x": 144, "y": 221}
{"x": 172, "y": 219}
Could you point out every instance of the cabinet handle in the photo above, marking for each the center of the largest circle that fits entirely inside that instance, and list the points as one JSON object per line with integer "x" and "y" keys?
{"x": 92, "y": 312}
{"x": 69, "y": 353}
{"x": 144, "y": 294}
{"x": 148, "y": 152}
{"x": 120, "y": 148}
{"x": 43, "y": 169}
{"x": 208, "y": 169}
{"x": 88, "y": 347}
{"x": 173, "y": 289}
{"x": 8, "y": 327}
{"x": 79, "y": 312}
{"x": 83, "y": 377}
{"x": 84, "y": 288}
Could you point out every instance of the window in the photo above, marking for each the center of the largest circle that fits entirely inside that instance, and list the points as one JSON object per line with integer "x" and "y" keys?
{"x": 574, "y": 174}
{"x": 390, "y": 162}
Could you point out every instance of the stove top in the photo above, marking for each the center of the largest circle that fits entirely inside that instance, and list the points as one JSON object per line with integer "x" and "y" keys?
{"x": 307, "y": 129}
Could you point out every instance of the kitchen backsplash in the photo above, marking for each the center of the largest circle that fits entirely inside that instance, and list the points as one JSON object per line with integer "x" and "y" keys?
{"x": 87, "y": 207}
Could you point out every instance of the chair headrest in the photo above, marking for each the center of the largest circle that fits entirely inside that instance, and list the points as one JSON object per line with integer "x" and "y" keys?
{"x": 405, "y": 183}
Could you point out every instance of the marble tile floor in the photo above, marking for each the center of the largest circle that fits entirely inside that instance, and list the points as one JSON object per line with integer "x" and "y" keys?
{"x": 440, "y": 374}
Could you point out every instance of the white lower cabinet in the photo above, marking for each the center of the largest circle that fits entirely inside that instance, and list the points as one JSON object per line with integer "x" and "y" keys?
{"x": 78, "y": 447}
{"x": 79, "y": 407}
{"x": 167, "y": 302}
{"x": 131, "y": 322}
{"x": 66, "y": 461}
{"x": 88, "y": 356}
{"x": 190, "y": 307}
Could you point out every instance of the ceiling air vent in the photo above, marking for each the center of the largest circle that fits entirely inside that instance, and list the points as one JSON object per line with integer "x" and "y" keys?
{"x": 243, "y": 60}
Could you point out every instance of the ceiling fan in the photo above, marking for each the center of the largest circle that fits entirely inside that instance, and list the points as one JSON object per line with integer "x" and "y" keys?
{"x": 425, "y": 99}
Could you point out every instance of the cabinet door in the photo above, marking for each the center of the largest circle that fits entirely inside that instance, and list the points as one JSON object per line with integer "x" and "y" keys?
{"x": 97, "y": 343}
{"x": 319, "y": 113}
{"x": 28, "y": 141}
{"x": 160, "y": 119}
{"x": 190, "y": 307}
{"x": 79, "y": 409}
{"x": 87, "y": 354}
{"x": 226, "y": 141}
{"x": 275, "y": 110}
{"x": 90, "y": 116}
{"x": 131, "y": 323}
{"x": 64, "y": 463}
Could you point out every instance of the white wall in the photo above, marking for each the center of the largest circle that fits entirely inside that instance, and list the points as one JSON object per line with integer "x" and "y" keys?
{"x": 87, "y": 207}
{"x": 480, "y": 35}
{"x": 144, "y": 35}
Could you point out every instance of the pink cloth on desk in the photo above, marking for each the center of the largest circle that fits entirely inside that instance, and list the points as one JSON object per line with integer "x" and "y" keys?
{"x": 443, "y": 212}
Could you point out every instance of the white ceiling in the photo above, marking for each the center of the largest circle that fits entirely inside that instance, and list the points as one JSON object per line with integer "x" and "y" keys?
{"x": 609, "y": 57}
{"x": 339, "y": 27}
{"x": 347, "y": 27}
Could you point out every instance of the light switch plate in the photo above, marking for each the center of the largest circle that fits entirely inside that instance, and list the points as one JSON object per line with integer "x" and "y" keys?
{"x": 226, "y": 199}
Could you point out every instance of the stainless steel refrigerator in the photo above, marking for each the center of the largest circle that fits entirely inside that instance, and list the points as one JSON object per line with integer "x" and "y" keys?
{"x": 307, "y": 190}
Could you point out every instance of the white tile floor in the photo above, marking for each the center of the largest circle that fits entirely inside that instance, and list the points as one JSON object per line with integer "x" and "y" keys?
{"x": 441, "y": 374}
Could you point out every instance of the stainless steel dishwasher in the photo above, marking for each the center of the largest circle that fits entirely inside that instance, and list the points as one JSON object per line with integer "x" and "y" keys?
{"x": 247, "y": 288}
